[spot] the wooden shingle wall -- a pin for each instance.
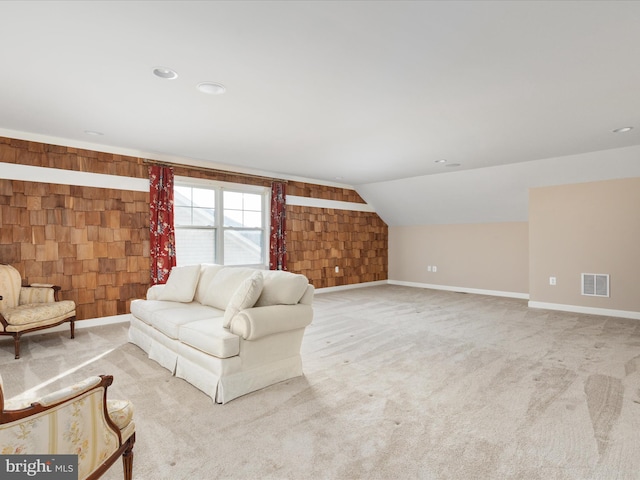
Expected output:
(94, 242)
(320, 239)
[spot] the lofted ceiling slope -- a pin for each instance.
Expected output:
(363, 93)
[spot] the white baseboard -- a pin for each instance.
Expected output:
(495, 293)
(477, 291)
(606, 312)
(350, 287)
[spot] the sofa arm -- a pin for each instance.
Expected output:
(154, 292)
(257, 322)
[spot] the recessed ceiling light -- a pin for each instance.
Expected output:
(211, 88)
(622, 129)
(164, 72)
(452, 165)
(92, 132)
(441, 161)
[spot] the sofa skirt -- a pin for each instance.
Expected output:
(224, 379)
(248, 381)
(158, 346)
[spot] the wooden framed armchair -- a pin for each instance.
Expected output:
(29, 308)
(78, 420)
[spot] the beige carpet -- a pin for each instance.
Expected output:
(399, 383)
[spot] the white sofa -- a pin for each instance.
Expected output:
(226, 330)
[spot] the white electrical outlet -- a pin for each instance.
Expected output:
(434, 269)
(429, 268)
(552, 280)
(337, 269)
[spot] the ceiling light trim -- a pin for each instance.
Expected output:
(165, 73)
(211, 88)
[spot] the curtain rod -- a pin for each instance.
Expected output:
(211, 170)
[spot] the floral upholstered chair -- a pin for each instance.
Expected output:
(28, 308)
(77, 420)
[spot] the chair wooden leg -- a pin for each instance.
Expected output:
(127, 460)
(16, 344)
(73, 327)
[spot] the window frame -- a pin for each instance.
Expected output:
(219, 228)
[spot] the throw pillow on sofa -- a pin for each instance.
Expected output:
(245, 296)
(181, 285)
(224, 284)
(282, 288)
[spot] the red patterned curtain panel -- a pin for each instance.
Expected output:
(277, 242)
(162, 239)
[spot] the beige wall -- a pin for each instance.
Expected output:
(585, 228)
(492, 256)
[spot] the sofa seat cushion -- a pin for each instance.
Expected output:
(210, 337)
(145, 309)
(37, 312)
(167, 317)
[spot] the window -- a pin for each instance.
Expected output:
(220, 223)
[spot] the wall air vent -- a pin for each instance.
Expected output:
(595, 284)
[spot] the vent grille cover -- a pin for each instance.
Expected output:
(595, 284)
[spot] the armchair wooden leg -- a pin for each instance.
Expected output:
(73, 327)
(127, 459)
(16, 344)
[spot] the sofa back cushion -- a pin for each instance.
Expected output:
(224, 284)
(181, 285)
(282, 288)
(245, 296)
(207, 272)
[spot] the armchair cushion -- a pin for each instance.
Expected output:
(9, 287)
(38, 312)
(37, 294)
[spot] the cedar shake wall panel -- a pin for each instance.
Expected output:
(61, 240)
(322, 239)
(94, 242)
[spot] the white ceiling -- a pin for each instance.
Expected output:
(361, 93)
